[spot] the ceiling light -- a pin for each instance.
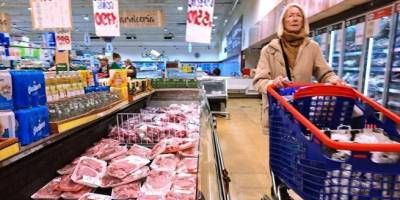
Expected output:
(226, 21)
(29, 8)
(86, 17)
(215, 17)
(165, 29)
(213, 25)
(180, 8)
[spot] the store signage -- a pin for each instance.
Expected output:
(234, 39)
(199, 21)
(86, 39)
(140, 19)
(109, 47)
(106, 17)
(373, 26)
(63, 40)
(5, 23)
(51, 14)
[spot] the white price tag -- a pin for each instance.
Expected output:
(63, 40)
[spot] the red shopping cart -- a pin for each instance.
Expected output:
(300, 149)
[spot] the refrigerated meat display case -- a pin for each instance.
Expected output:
(353, 59)
(378, 28)
(321, 37)
(393, 91)
(36, 165)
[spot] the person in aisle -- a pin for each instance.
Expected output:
(131, 69)
(116, 61)
(292, 57)
(216, 72)
(104, 67)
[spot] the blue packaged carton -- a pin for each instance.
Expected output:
(33, 124)
(29, 88)
(6, 91)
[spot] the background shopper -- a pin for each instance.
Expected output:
(131, 69)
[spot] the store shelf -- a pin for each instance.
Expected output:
(351, 69)
(356, 53)
(396, 69)
(394, 104)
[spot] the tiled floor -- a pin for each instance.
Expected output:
(244, 148)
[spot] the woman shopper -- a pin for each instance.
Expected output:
(131, 69)
(292, 57)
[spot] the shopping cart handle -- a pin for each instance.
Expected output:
(323, 138)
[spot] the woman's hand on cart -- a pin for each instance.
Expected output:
(337, 81)
(280, 82)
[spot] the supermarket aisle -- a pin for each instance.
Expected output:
(244, 149)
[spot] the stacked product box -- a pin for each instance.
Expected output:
(118, 82)
(30, 105)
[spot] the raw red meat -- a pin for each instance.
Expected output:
(188, 165)
(67, 169)
(172, 145)
(111, 152)
(180, 195)
(144, 196)
(100, 146)
(123, 167)
(158, 149)
(93, 196)
(141, 151)
(67, 185)
(89, 171)
(191, 152)
(158, 182)
(109, 181)
(185, 182)
(128, 191)
(76, 195)
(165, 162)
(49, 191)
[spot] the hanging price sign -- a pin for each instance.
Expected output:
(199, 21)
(63, 40)
(51, 14)
(106, 17)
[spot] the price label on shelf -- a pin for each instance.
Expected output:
(106, 17)
(51, 14)
(63, 40)
(199, 21)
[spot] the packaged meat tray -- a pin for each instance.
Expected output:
(67, 185)
(89, 171)
(158, 149)
(127, 191)
(111, 152)
(180, 195)
(93, 196)
(165, 162)
(186, 182)
(49, 191)
(138, 150)
(190, 152)
(78, 194)
(158, 182)
(109, 181)
(144, 196)
(188, 165)
(67, 169)
(125, 166)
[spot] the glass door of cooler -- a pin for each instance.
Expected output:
(377, 32)
(353, 51)
(335, 37)
(393, 93)
(321, 37)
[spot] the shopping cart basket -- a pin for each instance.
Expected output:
(298, 114)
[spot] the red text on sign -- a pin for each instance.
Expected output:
(63, 39)
(104, 19)
(199, 17)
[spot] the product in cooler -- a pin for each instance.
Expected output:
(183, 181)
(190, 152)
(112, 151)
(7, 124)
(89, 171)
(6, 101)
(32, 124)
(125, 166)
(127, 191)
(158, 182)
(109, 181)
(49, 191)
(78, 194)
(31, 90)
(180, 195)
(93, 196)
(139, 150)
(188, 165)
(118, 78)
(165, 162)
(67, 169)
(158, 149)
(144, 196)
(67, 185)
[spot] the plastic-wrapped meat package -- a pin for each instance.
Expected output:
(112, 151)
(180, 195)
(89, 171)
(127, 191)
(109, 181)
(175, 130)
(93, 196)
(158, 149)
(144, 196)
(158, 182)
(191, 152)
(49, 191)
(125, 166)
(188, 165)
(175, 144)
(185, 182)
(76, 195)
(67, 185)
(67, 169)
(138, 150)
(341, 136)
(165, 162)
(123, 135)
(99, 147)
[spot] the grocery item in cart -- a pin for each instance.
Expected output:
(89, 171)
(110, 181)
(127, 191)
(93, 196)
(165, 162)
(67, 185)
(340, 136)
(125, 166)
(188, 165)
(158, 182)
(139, 150)
(49, 191)
(78, 194)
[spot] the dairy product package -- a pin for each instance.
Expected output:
(7, 124)
(33, 124)
(6, 91)
(29, 90)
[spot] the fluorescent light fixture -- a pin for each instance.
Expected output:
(213, 25)
(226, 21)
(86, 17)
(215, 17)
(368, 68)
(165, 29)
(180, 8)
(29, 8)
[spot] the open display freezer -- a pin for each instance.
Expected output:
(378, 28)
(393, 92)
(353, 59)
(321, 37)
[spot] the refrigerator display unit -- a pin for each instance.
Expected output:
(393, 93)
(377, 35)
(353, 51)
(335, 36)
(321, 37)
